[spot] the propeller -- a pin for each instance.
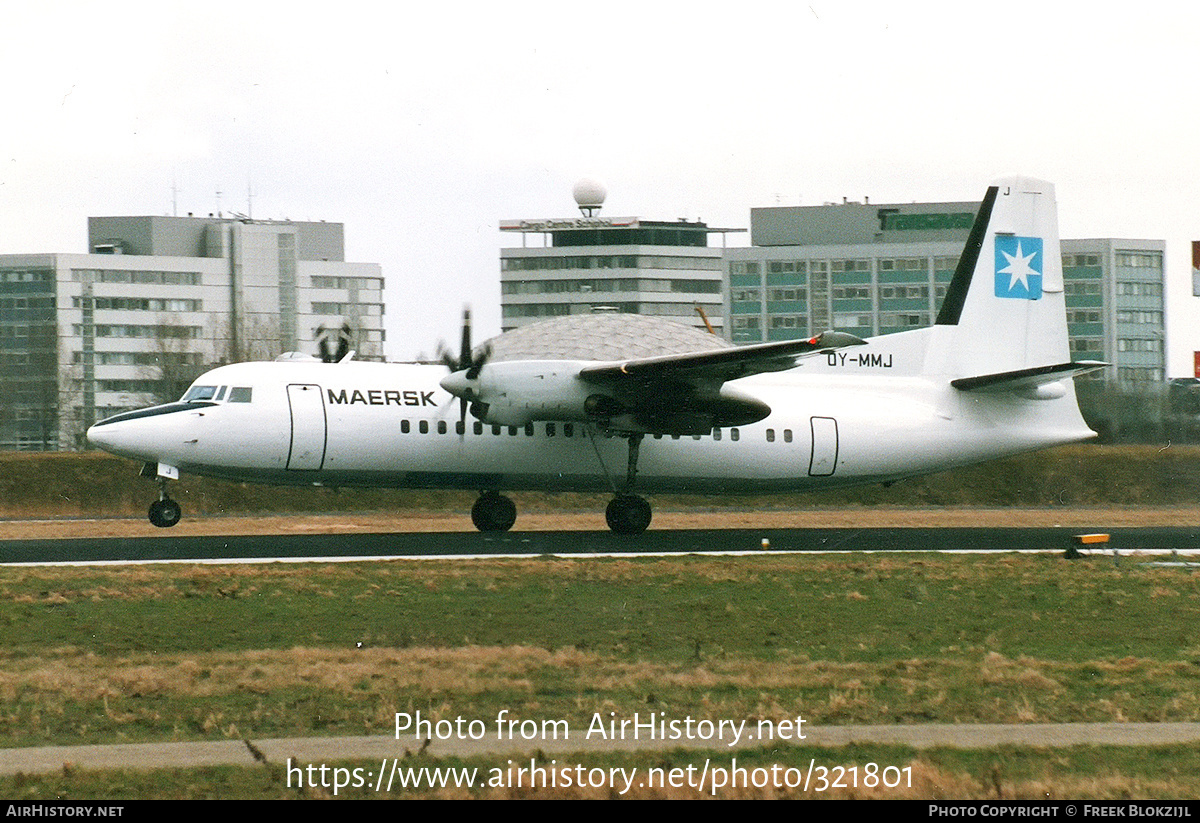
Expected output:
(466, 367)
(329, 354)
(323, 344)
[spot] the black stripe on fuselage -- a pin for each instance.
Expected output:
(956, 294)
(154, 411)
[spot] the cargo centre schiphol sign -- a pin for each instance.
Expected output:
(559, 224)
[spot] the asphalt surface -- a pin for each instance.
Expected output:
(679, 541)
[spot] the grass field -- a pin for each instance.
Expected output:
(163, 653)
(191, 652)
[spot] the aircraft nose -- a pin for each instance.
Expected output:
(101, 437)
(124, 438)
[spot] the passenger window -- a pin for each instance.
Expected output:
(529, 430)
(568, 430)
(441, 427)
(716, 434)
(423, 426)
(733, 434)
(404, 427)
(478, 427)
(495, 429)
(239, 394)
(460, 427)
(787, 435)
(770, 435)
(512, 431)
(549, 429)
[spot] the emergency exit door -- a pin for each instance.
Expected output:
(307, 407)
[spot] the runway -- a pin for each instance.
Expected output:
(679, 541)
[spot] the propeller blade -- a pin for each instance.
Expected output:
(464, 358)
(323, 345)
(343, 343)
(446, 357)
(476, 364)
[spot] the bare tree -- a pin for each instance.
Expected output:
(174, 360)
(258, 337)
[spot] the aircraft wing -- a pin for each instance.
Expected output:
(719, 365)
(674, 394)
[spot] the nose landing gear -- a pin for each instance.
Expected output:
(164, 512)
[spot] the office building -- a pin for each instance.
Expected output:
(154, 302)
(581, 265)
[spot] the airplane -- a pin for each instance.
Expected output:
(990, 378)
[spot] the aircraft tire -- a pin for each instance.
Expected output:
(493, 512)
(628, 514)
(165, 513)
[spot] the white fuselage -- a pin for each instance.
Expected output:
(392, 425)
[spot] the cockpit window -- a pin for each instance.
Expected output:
(220, 393)
(199, 393)
(239, 394)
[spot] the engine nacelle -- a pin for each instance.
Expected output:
(521, 391)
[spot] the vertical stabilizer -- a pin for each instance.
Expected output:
(1004, 309)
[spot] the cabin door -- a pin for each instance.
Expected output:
(307, 450)
(824, 447)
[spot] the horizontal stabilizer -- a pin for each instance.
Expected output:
(1024, 380)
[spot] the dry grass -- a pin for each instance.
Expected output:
(1024, 690)
(593, 520)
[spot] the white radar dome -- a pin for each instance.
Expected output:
(589, 193)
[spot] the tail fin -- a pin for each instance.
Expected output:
(1004, 312)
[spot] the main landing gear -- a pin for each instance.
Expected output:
(164, 512)
(493, 512)
(627, 513)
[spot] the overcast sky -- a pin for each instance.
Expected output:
(421, 126)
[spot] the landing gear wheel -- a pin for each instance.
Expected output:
(165, 513)
(628, 514)
(493, 512)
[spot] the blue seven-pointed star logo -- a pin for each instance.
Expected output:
(1019, 267)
